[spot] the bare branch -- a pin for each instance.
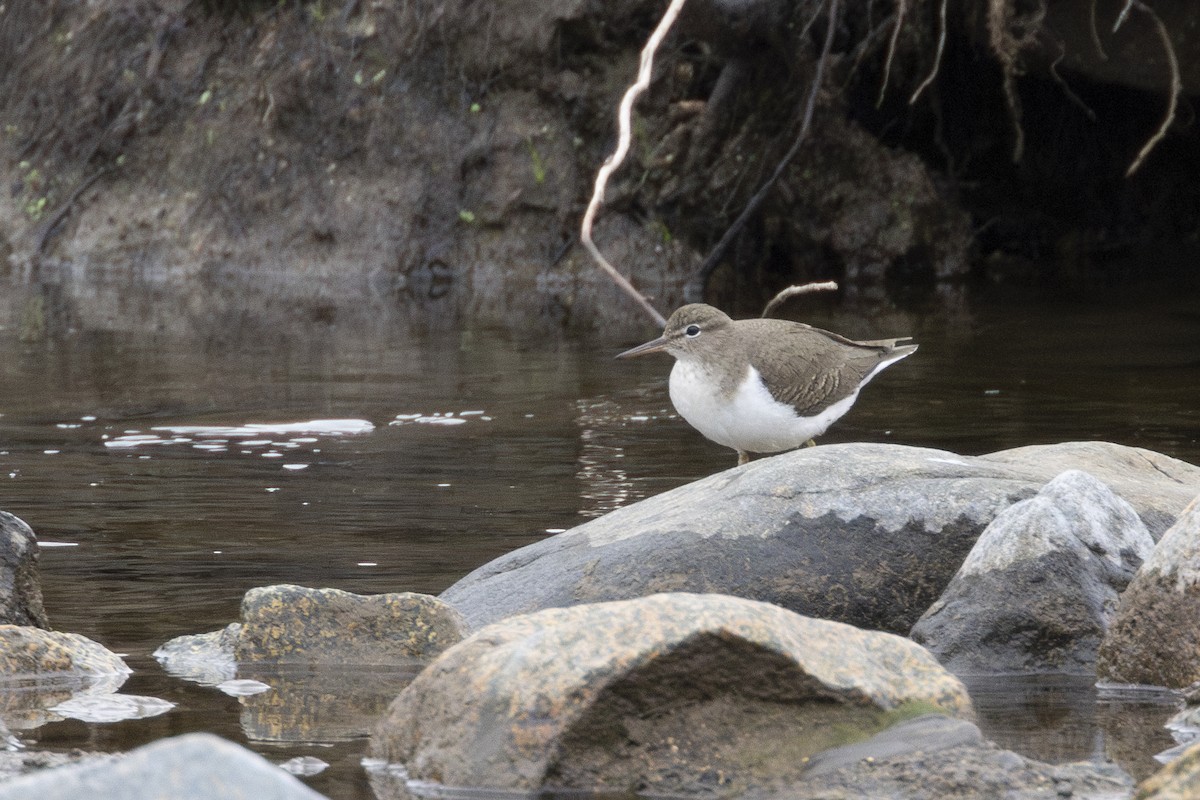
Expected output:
(1176, 88)
(1094, 30)
(797, 289)
(937, 59)
(624, 137)
(1129, 4)
(901, 7)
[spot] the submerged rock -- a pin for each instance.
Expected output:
(935, 757)
(1038, 590)
(1155, 638)
(664, 694)
(197, 766)
(866, 534)
(20, 591)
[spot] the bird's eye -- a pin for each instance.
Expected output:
(692, 331)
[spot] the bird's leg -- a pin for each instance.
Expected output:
(743, 457)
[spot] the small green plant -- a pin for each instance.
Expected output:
(539, 166)
(466, 216)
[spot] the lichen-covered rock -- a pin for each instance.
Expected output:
(20, 591)
(33, 654)
(43, 669)
(662, 694)
(866, 534)
(1040, 587)
(295, 624)
(1155, 638)
(197, 766)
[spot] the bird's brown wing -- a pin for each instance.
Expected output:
(819, 368)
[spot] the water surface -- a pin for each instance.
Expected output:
(171, 476)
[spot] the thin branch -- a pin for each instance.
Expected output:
(718, 252)
(901, 7)
(1176, 88)
(1094, 30)
(1074, 98)
(1129, 4)
(937, 59)
(792, 291)
(624, 137)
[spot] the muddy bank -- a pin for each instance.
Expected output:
(201, 167)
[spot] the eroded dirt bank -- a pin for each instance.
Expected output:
(195, 167)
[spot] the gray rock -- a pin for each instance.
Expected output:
(1155, 637)
(20, 591)
(1040, 587)
(866, 534)
(206, 658)
(673, 693)
(198, 766)
(1158, 486)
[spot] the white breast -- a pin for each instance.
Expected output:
(751, 420)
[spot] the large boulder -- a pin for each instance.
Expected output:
(673, 693)
(1158, 486)
(1155, 638)
(20, 591)
(867, 534)
(1038, 590)
(197, 766)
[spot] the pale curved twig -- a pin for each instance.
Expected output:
(624, 137)
(937, 59)
(901, 7)
(1176, 88)
(792, 291)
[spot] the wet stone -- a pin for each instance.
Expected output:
(295, 624)
(668, 693)
(1155, 638)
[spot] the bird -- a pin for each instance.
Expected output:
(764, 385)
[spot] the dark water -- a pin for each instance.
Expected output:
(164, 534)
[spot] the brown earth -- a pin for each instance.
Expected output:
(206, 167)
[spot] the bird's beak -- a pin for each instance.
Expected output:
(656, 346)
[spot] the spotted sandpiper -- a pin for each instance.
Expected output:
(764, 385)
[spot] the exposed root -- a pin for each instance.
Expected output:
(624, 138)
(1094, 29)
(755, 202)
(937, 59)
(797, 289)
(1008, 34)
(1176, 85)
(901, 8)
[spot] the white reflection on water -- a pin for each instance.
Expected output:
(217, 437)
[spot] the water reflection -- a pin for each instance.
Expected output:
(465, 447)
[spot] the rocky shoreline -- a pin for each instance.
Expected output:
(794, 627)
